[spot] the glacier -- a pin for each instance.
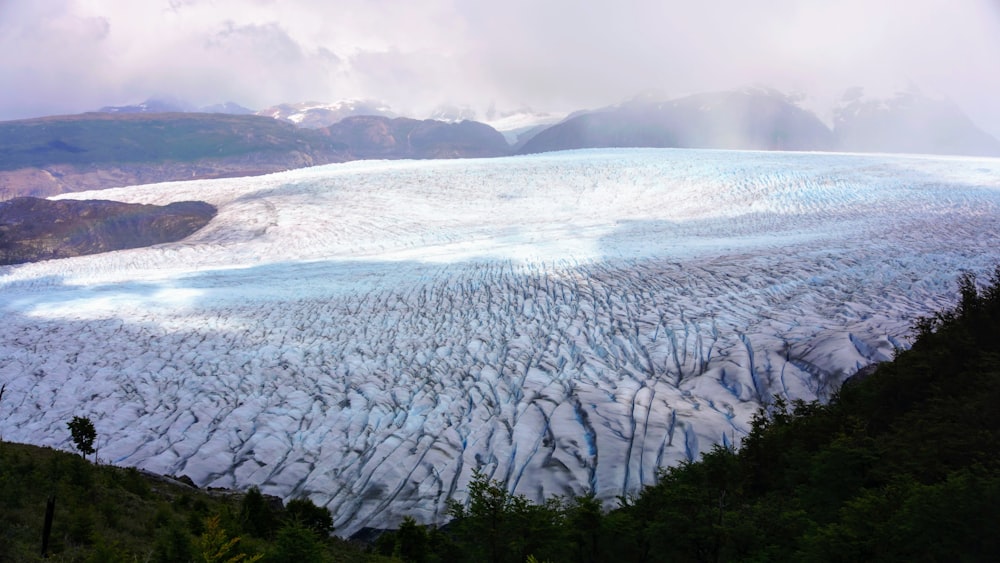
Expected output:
(370, 333)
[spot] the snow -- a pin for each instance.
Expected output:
(369, 333)
(300, 112)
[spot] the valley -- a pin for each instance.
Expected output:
(368, 333)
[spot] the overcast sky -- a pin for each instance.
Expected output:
(67, 56)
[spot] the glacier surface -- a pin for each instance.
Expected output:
(370, 333)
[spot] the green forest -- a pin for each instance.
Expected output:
(901, 465)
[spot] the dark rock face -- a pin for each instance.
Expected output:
(755, 119)
(33, 229)
(908, 123)
(383, 137)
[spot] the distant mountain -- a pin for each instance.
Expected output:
(383, 137)
(747, 119)
(52, 155)
(33, 229)
(169, 105)
(162, 140)
(230, 108)
(315, 115)
(908, 123)
(152, 105)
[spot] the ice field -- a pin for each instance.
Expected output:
(370, 333)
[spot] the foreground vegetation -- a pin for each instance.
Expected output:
(107, 514)
(903, 465)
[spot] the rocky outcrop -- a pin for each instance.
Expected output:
(33, 229)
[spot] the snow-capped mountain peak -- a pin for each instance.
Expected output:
(323, 114)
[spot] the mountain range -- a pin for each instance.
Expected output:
(161, 140)
(52, 155)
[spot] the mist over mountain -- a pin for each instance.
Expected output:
(763, 119)
(231, 108)
(908, 123)
(748, 119)
(454, 113)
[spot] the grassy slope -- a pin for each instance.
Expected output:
(106, 513)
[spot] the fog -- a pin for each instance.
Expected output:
(66, 56)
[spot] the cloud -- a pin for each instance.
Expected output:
(71, 55)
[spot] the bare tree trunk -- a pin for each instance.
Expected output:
(50, 509)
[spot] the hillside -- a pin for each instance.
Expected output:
(52, 155)
(111, 514)
(900, 466)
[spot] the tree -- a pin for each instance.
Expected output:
(217, 547)
(83, 433)
(2, 389)
(256, 516)
(411, 541)
(297, 543)
(499, 526)
(316, 518)
(583, 522)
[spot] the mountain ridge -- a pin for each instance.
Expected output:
(58, 154)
